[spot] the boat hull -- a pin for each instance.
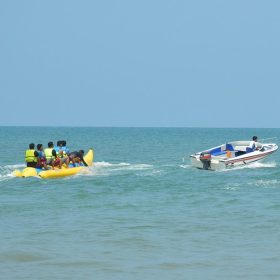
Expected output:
(56, 173)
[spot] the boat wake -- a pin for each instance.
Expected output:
(185, 166)
(106, 168)
(6, 172)
(260, 183)
(98, 169)
(262, 165)
(253, 165)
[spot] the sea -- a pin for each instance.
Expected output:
(141, 211)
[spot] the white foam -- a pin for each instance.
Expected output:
(107, 169)
(14, 166)
(122, 165)
(108, 164)
(232, 187)
(265, 183)
(6, 172)
(185, 166)
(6, 177)
(262, 165)
(252, 165)
(140, 166)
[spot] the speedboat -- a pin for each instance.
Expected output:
(56, 173)
(231, 154)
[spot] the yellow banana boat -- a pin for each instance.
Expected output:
(55, 173)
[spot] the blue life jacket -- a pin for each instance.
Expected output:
(65, 150)
(57, 149)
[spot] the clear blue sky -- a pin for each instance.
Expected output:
(140, 63)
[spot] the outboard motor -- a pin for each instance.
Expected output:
(205, 158)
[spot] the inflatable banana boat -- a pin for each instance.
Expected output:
(56, 173)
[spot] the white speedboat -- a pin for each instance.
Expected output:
(231, 154)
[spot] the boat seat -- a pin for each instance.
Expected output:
(222, 150)
(244, 149)
(240, 148)
(229, 147)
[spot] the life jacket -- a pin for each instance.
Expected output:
(59, 154)
(29, 156)
(65, 150)
(48, 153)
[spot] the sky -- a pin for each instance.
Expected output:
(127, 63)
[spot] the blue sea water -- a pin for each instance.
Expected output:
(141, 212)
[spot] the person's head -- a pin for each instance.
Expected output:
(63, 142)
(59, 144)
(39, 147)
(82, 152)
(255, 138)
(31, 146)
(50, 144)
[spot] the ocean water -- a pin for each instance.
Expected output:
(141, 212)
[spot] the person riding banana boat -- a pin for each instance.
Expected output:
(41, 159)
(77, 158)
(61, 154)
(31, 156)
(50, 154)
(53, 158)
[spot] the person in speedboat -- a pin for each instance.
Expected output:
(254, 144)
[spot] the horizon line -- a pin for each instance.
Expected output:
(71, 126)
